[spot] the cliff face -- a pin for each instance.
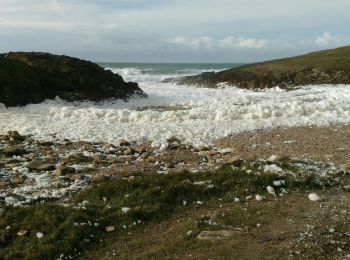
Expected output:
(324, 67)
(33, 77)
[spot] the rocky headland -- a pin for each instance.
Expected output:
(32, 77)
(323, 67)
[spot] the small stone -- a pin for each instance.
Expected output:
(259, 198)
(129, 151)
(216, 235)
(278, 183)
(22, 233)
(202, 148)
(202, 153)
(76, 177)
(109, 228)
(40, 164)
(271, 190)
(145, 155)
(39, 235)
(99, 178)
(125, 210)
(347, 188)
(97, 159)
(169, 165)
(124, 143)
(64, 170)
(13, 150)
(4, 184)
(17, 179)
(15, 136)
(13, 199)
(314, 197)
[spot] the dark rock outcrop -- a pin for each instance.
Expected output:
(324, 67)
(32, 77)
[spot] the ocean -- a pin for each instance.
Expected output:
(194, 115)
(156, 72)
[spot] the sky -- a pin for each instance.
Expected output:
(231, 31)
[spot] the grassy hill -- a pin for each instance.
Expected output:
(323, 67)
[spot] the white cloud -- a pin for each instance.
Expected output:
(327, 39)
(234, 42)
(210, 43)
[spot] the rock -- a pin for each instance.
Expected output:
(109, 228)
(22, 233)
(279, 183)
(271, 190)
(24, 77)
(17, 179)
(129, 151)
(64, 170)
(216, 235)
(259, 198)
(347, 188)
(145, 155)
(4, 184)
(13, 150)
(314, 197)
(125, 210)
(76, 177)
(15, 136)
(202, 148)
(39, 235)
(97, 178)
(97, 159)
(124, 143)
(77, 159)
(169, 165)
(40, 164)
(202, 153)
(13, 199)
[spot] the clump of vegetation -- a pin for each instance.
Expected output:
(125, 204)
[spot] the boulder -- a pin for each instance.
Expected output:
(32, 77)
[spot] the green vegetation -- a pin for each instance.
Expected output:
(323, 67)
(71, 230)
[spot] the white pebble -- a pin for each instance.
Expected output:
(314, 197)
(125, 210)
(259, 198)
(39, 235)
(271, 190)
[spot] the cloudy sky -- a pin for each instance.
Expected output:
(174, 30)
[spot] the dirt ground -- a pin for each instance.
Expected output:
(324, 144)
(291, 227)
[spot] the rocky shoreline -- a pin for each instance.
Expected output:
(32, 77)
(32, 170)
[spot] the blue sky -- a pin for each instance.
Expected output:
(174, 30)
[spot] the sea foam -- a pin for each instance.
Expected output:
(194, 115)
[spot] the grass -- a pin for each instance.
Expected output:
(70, 230)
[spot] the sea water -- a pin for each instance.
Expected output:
(194, 115)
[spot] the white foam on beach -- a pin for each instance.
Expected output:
(204, 114)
